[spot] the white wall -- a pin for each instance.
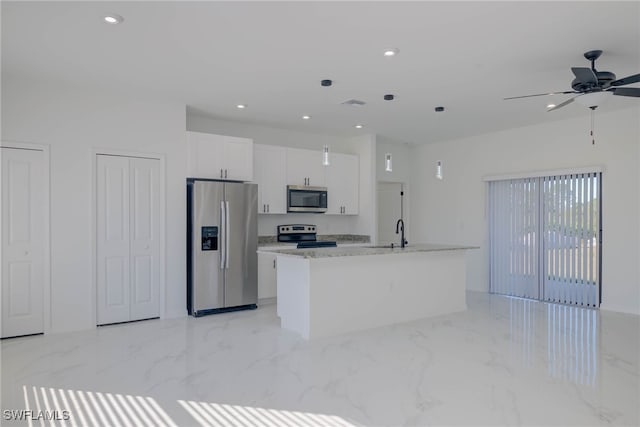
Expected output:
(327, 224)
(73, 122)
(366, 222)
(454, 211)
(401, 164)
(400, 159)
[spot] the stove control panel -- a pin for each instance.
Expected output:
(297, 229)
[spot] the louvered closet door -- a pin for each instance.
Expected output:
(23, 227)
(128, 239)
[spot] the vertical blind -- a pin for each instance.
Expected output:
(514, 221)
(544, 236)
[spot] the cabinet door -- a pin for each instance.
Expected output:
(267, 276)
(304, 167)
(271, 176)
(205, 154)
(342, 179)
(237, 158)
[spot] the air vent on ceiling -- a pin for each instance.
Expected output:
(354, 102)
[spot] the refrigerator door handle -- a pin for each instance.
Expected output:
(223, 234)
(226, 235)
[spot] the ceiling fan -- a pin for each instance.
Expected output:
(592, 85)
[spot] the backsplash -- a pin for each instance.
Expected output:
(340, 238)
(327, 224)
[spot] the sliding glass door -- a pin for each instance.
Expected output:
(544, 236)
(514, 222)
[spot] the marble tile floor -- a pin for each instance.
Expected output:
(504, 361)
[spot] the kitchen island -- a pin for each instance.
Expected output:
(329, 291)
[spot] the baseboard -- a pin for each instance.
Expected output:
(608, 307)
(267, 301)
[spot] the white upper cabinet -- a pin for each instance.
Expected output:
(304, 167)
(270, 173)
(342, 179)
(220, 156)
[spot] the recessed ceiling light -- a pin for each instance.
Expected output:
(306, 117)
(358, 126)
(391, 52)
(241, 106)
(551, 105)
(113, 19)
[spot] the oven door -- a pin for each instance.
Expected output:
(306, 199)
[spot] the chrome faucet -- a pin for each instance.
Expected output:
(400, 229)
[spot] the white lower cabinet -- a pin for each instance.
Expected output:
(267, 283)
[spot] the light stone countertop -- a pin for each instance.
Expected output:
(364, 250)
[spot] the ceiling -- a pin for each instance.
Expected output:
(211, 56)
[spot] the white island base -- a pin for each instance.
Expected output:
(327, 295)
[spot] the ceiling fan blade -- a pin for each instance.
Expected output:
(626, 80)
(626, 91)
(567, 102)
(585, 75)
(541, 94)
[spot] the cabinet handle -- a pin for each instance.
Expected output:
(274, 263)
(264, 208)
(221, 174)
(267, 207)
(225, 173)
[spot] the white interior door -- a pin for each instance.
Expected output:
(128, 240)
(113, 236)
(145, 242)
(23, 240)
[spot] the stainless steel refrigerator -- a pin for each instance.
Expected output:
(222, 240)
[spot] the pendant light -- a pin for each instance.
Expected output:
(439, 169)
(325, 155)
(388, 166)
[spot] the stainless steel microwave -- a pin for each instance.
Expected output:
(301, 198)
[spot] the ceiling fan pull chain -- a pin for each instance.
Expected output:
(593, 120)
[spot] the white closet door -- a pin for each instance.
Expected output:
(113, 268)
(23, 227)
(145, 231)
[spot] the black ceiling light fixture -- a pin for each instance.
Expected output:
(326, 82)
(439, 109)
(389, 97)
